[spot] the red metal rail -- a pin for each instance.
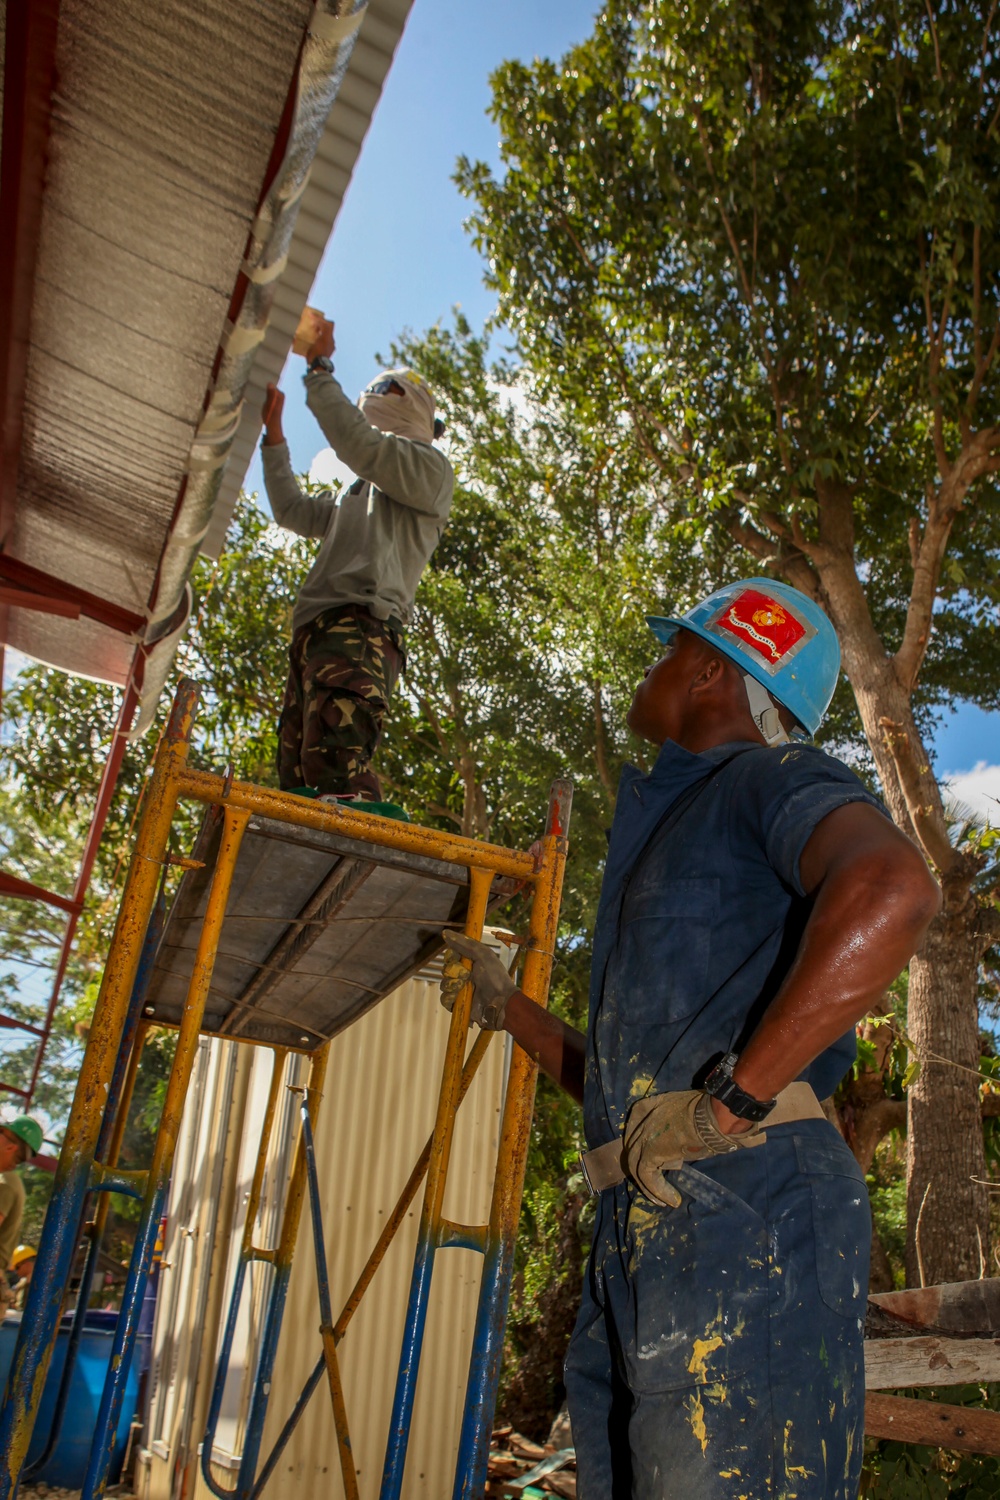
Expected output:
(11, 886)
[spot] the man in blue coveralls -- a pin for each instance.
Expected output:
(756, 902)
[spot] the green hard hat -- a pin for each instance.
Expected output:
(27, 1130)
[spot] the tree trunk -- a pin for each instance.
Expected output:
(944, 1134)
(946, 1208)
(880, 1278)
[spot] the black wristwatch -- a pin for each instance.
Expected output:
(321, 362)
(721, 1084)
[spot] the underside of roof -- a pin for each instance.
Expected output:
(178, 233)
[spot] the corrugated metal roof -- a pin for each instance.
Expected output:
(163, 124)
(332, 169)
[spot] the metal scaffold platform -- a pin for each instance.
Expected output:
(319, 927)
(293, 919)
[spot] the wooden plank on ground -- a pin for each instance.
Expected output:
(953, 1307)
(907, 1420)
(894, 1363)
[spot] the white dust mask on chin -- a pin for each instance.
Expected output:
(398, 401)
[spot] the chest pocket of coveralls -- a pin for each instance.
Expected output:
(668, 927)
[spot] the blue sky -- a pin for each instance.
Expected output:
(399, 256)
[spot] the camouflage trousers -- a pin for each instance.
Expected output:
(344, 666)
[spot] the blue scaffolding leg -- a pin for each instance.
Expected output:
(158, 1177)
(326, 1329)
(114, 1107)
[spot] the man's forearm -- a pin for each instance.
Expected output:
(558, 1049)
(412, 473)
(306, 515)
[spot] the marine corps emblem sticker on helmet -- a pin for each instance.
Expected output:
(780, 639)
(775, 632)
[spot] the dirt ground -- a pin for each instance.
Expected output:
(54, 1492)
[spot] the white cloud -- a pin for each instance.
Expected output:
(517, 397)
(327, 468)
(976, 791)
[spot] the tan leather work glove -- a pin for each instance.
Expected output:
(666, 1130)
(493, 985)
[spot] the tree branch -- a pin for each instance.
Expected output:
(913, 537)
(600, 745)
(934, 36)
(748, 296)
(919, 790)
(639, 411)
(976, 458)
(983, 50)
(988, 927)
(783, 557)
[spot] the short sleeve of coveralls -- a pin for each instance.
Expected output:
(780, 805)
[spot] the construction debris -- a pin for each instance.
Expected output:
(56, 1492)
(520, 1467)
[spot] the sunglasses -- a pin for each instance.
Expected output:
(384, 387)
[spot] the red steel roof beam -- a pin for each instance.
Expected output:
(46, 604)
(23, 576)
(29, 75)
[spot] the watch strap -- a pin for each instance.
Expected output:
(721, 1084)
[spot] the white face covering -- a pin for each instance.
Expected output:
(407, 411)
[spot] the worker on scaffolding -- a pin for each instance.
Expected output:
(757, 901)
(20, 1139)
(350, 619)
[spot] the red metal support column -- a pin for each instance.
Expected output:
(29, 74)
(111, 768)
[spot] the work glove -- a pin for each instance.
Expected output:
(666, 1130)
(493, 985)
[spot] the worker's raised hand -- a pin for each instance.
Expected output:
(493, 985)
(665, 1130)
(323, 344)
(274, 405)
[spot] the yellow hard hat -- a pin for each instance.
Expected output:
(21, 1254)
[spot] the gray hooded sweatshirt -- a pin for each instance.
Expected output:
(378, 538)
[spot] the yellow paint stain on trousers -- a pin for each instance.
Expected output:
(792, 1471)
(698, 1366)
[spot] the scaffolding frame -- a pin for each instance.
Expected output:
(88, 1161)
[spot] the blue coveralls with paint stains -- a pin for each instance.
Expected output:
(718, 1354)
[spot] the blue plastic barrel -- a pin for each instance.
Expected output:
(68, 1463)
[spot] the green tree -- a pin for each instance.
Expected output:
(757, 240)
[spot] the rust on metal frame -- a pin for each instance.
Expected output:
(29, 77)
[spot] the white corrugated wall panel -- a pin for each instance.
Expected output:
(378, 1109)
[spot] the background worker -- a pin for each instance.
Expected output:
(22, 1266)
(20, 1139)
(756, 902)
(350, 619)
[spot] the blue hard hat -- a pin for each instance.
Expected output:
(774, 633)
